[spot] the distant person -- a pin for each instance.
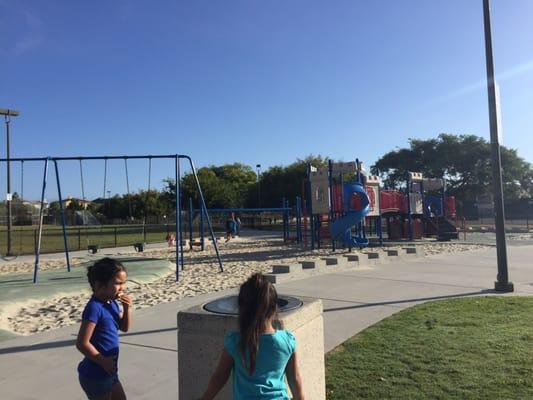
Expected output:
(231, 226)
(238, 226)
(98, 334)
(171, 240)
(258, 355)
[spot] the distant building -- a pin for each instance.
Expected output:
(69, 200)
(36, 205)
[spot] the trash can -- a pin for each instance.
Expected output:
(201, 331)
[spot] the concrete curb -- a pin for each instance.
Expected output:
(325, 265)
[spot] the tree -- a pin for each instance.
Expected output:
(280, 182)
(464, 161)
(75, 205)
(225, 186)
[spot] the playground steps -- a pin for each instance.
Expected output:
(324, 265)
(361, 260)
(286, 268)
(416, 251)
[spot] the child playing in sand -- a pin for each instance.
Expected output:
(171, 240)
(259, 355)
(98, 335)
(230, 226)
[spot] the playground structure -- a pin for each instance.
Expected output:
(341, 204)
(346, 206)
(284, 211)
(139, 246)
(338, 204)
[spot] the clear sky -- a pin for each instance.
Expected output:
(253, 81)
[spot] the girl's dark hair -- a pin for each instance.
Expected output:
(258, 302)
(103, 271)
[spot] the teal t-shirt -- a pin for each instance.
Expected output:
(268, 378)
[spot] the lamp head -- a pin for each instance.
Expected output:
(9, 113)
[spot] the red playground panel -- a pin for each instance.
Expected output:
(449, 207)
(393, 201)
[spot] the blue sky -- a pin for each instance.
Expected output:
(252, 81)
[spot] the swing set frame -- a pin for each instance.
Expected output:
(178, 195)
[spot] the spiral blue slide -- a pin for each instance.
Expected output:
(341, 229)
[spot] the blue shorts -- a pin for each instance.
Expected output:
(95, 388)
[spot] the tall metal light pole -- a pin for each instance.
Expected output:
(7, 115)
(258, 167)
(502, 284)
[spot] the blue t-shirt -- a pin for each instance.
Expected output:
(106, 316)
(268, 378)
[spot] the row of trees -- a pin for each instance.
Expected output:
(464, 161)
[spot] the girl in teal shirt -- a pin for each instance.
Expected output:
(259, 355)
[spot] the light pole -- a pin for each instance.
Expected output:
(258, 167)
(502, 284)
(7, 115)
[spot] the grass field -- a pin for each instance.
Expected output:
(25, 237)
(470, 348)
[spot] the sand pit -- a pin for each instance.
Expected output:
(241, 258)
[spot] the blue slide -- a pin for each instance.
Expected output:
(341, 229)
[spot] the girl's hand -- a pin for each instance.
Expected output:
(126, 300)
(108, 364)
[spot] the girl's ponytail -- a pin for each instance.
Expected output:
(258, 302)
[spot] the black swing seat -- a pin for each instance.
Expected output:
(139, 247)
(93, 248)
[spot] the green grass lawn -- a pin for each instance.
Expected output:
(79, 237)
(468, 348)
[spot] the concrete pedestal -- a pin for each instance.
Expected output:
(201, 340)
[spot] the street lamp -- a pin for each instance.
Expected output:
(7, 115)
(502, 284)
(258, 167)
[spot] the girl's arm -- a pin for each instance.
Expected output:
(125, 317)
(294, 378)
(84, 345)
(220, 376)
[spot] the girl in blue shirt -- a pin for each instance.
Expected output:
(98, 335)
(259, 355)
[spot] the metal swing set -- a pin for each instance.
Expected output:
(138, 246)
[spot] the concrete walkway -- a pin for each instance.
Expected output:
(43, 366)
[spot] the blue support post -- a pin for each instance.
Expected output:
(409, 217)
(331, 212)
(62, 212)
(318, 225)
(298, 219)
(309, 208)
(283, 205)
(422, 197)
(178, 220)
(41, 213)
(313, 230)
(201, 227)
(204, 208)
(190, 221)
(379, 230)
(180, 217)
(442, 199)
